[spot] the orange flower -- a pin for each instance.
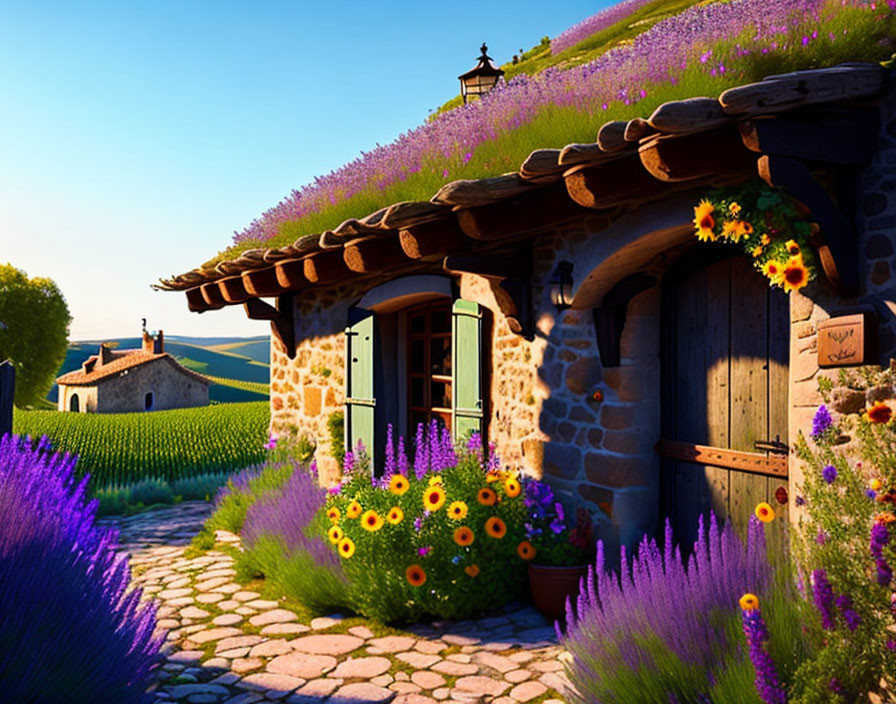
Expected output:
(495, 527)
(734, 209)
(765, 240)
(774, 270)
(463, 536)
(395, 515)
(486, 497)
(730, 230)
(335, 534)
(704, 221)
(885, 518)
(472, 570)
(457, 511)
(415, 575)
(764, 512)
(876, 484)
(757, 251)
(346, 547)
(353, 510)
(525, 550)
(491, 476)
(749, 602)
(747, 227)
(795, 275)
(371, 521)
(878, 413)
(434, 498)
(793, 249)
(512, 487)
(398, 484)
(333, 514)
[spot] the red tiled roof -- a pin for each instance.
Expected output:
(126, 359)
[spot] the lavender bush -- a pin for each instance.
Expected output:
(594, 24)
(669, 630)
(69, 632)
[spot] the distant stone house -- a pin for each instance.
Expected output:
(129, 381)
(568, 312)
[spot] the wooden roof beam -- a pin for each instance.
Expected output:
(232, 289)
(674, 158)
(433, 239)
(369, 255)
(196, 301)
(326, 267)
(262, 282)
(615, 183)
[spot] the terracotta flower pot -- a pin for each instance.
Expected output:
(551, 585)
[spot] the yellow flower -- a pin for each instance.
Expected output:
(486, 497)
(437, 479)
(457, 511)
(757, 251)
(704, 221)
(734, 209)
(795, 275)
(878, 413)
(749, 602)
(353, 510)
(793, 249)
(511, 487)
(774, 270)
(395, 515)
(731, 231)
(434, 498)
(764, 512)
(495, 527)
(525, 550)
(398, 484)
(335, 534)
(765, 240)
(346, 547)
(876, 484)
(472, 570)
(371, 521)
(492, 476)
(333, 514)
(415, 575)
(463, 536)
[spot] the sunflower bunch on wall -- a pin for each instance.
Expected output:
(767, 224)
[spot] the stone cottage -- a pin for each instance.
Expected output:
(131, 381)
(569, 313)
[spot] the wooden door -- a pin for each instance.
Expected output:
(724, 388)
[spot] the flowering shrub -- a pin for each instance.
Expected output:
(766, 223)
(443, 537)
(670, 630)
(848, 545)
(546, 529)
(69, 630)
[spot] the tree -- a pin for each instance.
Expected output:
(34, 322)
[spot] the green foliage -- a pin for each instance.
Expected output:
(381, 587)
(122, 448)
(152, 491)
(336, 428)
(202, 487)
(840, 513)
(291, 446)
(122, 500)
(242, 491)
(34, 322)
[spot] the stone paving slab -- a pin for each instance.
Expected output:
(229, 645)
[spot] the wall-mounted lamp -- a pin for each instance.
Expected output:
(561, 286)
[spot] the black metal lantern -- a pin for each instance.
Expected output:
(561, 286)
(480, 79)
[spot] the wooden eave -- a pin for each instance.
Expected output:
(747, 131)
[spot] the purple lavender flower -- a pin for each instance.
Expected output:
(474, 442)
(418, 524)
(389, 468)
(493, 462)
(821, 537)
(829, 473)
(821, 422)
(871, 493)
(348, 462)
(823, 596)
(402, 458)
(449, 457)
(436, 458)
(421, 453)
(800, 500)
(768, 685)
(850, 617)
(880, 537)
(424, 551)
(272, 443)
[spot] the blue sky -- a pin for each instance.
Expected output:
(136, 137)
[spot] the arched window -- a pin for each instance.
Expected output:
(74, 404)
(148, 401)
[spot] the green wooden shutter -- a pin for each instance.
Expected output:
(360, 402)
(466, 364)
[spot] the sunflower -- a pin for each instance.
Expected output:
(704, 221)
(495, 527)
(525, 550)
(764, 512)
(878, 413)
(511, 487)
(371, 521)
(749, 602)
(747, 227)
(353, 510)
(346, 547)
(415, 575)
(795, 275)
(434, 498)
(793, 249)
(774, 270)
(457, 511)
(463, 536)
(486, 497)
(436, 479)
(333, 514)
(395, 515)
(398, 484)
(335, 534)
(472, 570)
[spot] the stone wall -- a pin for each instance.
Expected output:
(171, 388)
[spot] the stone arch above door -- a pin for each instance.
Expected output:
(405, 292)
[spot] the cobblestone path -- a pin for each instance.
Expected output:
(227, 644)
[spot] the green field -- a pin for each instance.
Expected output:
(124, 448)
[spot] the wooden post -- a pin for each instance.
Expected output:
(7, 387)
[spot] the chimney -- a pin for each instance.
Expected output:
(148, 342)
(104, 356)
(159, 343)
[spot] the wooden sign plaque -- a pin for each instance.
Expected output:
(847, 340)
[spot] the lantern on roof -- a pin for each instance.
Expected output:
(480, 79)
